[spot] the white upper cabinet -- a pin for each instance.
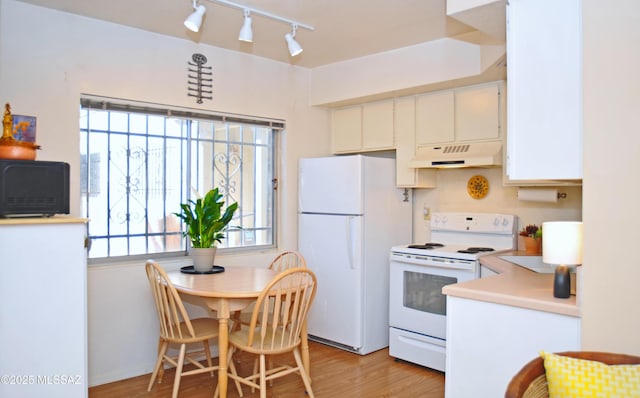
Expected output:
(377, 125)
(435, 118)
(347, 129)
(462, 115)
(544, 58)
(405, 128)
(477, 113)
(363, 128)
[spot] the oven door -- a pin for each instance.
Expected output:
(416, 302)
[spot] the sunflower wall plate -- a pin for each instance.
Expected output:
(478, 187)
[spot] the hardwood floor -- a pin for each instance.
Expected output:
(335, 373)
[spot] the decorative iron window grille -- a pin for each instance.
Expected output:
(140, 161)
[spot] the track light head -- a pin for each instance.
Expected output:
(194, 20)
(294, 46)
(246, 33)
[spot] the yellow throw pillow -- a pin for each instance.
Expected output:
(571, 377)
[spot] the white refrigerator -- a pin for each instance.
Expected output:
(350, 215)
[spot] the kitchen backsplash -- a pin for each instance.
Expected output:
(451, 195)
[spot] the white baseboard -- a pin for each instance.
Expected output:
(133, 371)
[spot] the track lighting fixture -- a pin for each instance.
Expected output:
(246, 33)
(294, 46)
(194, 20)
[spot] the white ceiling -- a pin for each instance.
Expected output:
(344, 29)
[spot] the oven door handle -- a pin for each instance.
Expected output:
(435, 263)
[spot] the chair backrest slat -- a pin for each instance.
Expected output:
(169, 306)
(286, 260)
(282, 308)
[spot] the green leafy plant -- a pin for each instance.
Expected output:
(532, 231)
(204, 219)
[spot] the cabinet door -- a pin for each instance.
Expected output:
(43, 289)
(377, 125)
(405, 137)
(435, 118)
(510, 336)
(544, 105)
(347, 129)
(477, 113)
(405, 128)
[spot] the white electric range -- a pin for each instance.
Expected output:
(419, 271)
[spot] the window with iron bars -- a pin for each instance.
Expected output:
(139, 162)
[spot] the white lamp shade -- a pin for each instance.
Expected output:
(194, 20)
(562, 242)
(246, 33)
(294, 47)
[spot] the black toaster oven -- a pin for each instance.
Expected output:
(33, 188)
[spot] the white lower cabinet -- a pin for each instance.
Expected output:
(488, 343)
(486, 272)
(43, 321)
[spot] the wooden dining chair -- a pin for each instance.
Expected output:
(531, 380)
(282, 262)
(276, 327)
(177, 328)
(286, 260)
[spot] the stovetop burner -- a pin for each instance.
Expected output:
(426, 246)
(474, 250)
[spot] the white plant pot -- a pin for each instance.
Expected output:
(203, 258)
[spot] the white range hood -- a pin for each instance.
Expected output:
(473, 154)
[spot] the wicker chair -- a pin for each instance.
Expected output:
(531, 382)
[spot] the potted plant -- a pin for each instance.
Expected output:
(532, 239)
(206, 224)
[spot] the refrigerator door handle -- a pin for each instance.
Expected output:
(350, 245)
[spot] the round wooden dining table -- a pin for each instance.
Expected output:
(224, 293)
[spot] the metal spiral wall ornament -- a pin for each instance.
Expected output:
(200, 82)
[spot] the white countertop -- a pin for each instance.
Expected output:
(42, 220)
(516, 286)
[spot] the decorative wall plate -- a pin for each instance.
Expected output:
(478, 187)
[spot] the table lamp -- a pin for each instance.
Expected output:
(562, 246)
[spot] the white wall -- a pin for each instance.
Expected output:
(48, 58)
(451, 195)
(610, 275)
